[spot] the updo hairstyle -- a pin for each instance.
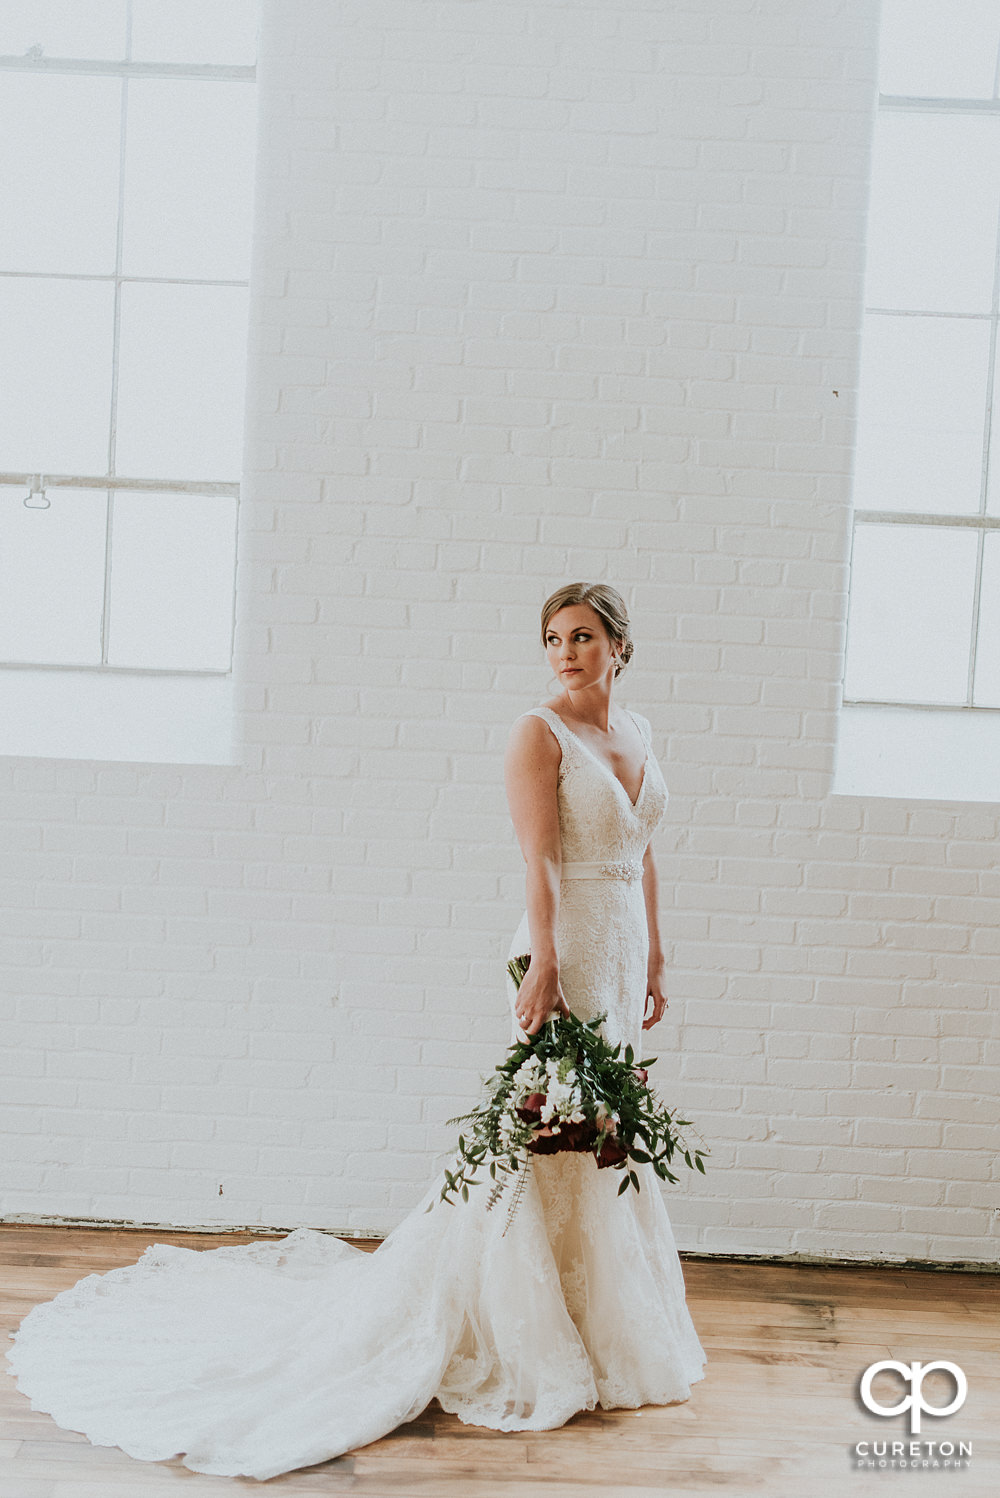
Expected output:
(608, 605)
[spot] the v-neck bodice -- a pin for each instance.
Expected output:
(597, 817)
(603, 762)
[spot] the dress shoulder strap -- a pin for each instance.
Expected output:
(554, 721)
(644, 726)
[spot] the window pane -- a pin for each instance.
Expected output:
(987, 693)
(172, 564)
(189, 179)
(63, 28)
(59, 146)
(55, 375)
(182, 374)
(195, 30)
(933, 218)
(921, 414)
(935, 50)
(910, 613)
(52, 577)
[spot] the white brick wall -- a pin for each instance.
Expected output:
(543, 292)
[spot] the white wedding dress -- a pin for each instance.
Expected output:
(259, 1358)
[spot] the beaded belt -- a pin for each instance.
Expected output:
(609, 869)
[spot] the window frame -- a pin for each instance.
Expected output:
(111, 481)
(981, 521)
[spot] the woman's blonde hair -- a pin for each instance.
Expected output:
(608, 605)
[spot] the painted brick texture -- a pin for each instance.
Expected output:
(540, 292)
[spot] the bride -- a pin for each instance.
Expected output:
(259, 1358)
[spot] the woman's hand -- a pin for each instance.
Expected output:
(656, 990)
(539, 994)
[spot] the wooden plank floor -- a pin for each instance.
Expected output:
(777, 1414)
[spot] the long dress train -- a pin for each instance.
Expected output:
(255, 1359)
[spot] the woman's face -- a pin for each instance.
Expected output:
(579, 648)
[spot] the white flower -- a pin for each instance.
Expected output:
(529, 1075)
(563, 1095)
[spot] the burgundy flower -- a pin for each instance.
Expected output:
(579, 1136)
(546, 1142)
(531, 1108)
(612, 1153)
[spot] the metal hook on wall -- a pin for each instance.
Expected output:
(37, 489)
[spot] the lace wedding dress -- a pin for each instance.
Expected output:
(259, 1358)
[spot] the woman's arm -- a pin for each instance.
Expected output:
(531, 775)
(656, 967)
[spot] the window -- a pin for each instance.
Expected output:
(924, 617)
(127, 136)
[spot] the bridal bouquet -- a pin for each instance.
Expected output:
(564, 1088)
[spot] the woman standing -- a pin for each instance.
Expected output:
(257, 1359)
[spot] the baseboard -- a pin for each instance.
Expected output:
(369, 1235)
(847, 1261)
(136, 1225)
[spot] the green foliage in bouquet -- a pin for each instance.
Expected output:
(565, 1088)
